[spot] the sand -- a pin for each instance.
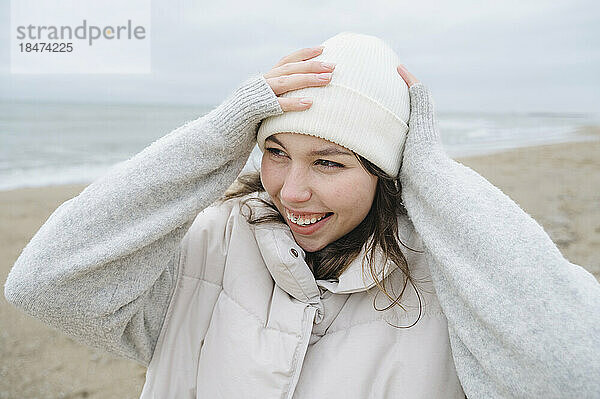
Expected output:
(556, 184)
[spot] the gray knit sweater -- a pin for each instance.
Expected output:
(523, 321)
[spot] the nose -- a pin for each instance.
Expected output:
(296, 187)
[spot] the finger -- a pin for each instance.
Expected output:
(300, 55)
(408, 77)
(294, 103)
(300, 67)
(283, 84)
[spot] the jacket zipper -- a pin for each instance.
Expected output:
(307, 329)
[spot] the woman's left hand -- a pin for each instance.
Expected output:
(408, 77)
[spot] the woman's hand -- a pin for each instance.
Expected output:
(408, 77)
(296, 71)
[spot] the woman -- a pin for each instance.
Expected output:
(272, 291)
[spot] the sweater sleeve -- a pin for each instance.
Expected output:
(523, 321)
(102, 268)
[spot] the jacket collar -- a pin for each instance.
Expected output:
(285, 260)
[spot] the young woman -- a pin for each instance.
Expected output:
(362, 262)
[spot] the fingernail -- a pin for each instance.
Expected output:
(325, 76)
(328, 65)
(319, 48)
(306, 101)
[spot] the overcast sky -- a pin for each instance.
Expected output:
(523, 56)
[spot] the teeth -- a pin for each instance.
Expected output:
(300, 219)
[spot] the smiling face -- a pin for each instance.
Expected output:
(320, 188)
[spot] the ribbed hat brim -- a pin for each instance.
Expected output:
(349, 126)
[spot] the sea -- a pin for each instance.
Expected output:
(44, 144)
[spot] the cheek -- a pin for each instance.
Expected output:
(270, 176)
(356, 195)
(359, 188)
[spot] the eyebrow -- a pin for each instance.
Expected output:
(324, 152)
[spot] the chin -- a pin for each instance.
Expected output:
(312, 247)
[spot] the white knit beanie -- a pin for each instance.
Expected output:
(365, 107)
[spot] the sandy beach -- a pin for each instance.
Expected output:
(556, 184)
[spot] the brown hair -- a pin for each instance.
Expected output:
(331, 261)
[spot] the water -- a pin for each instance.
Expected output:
(51, 144)
(466, 134)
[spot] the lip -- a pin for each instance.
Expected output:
(310, 229)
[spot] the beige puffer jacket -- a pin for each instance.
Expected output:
(248, 320)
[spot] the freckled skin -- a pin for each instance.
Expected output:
(296, 180)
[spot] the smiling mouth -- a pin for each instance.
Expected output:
(305, 220)
(311, 228)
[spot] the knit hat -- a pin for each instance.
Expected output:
(365, 107)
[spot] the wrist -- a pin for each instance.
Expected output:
(422, 123)
(252, 101)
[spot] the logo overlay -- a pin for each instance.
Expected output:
(80, 36)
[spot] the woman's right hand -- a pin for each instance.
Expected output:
(296, 71)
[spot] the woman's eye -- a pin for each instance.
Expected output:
(327, 164)
(275, 152)
(330, 164)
